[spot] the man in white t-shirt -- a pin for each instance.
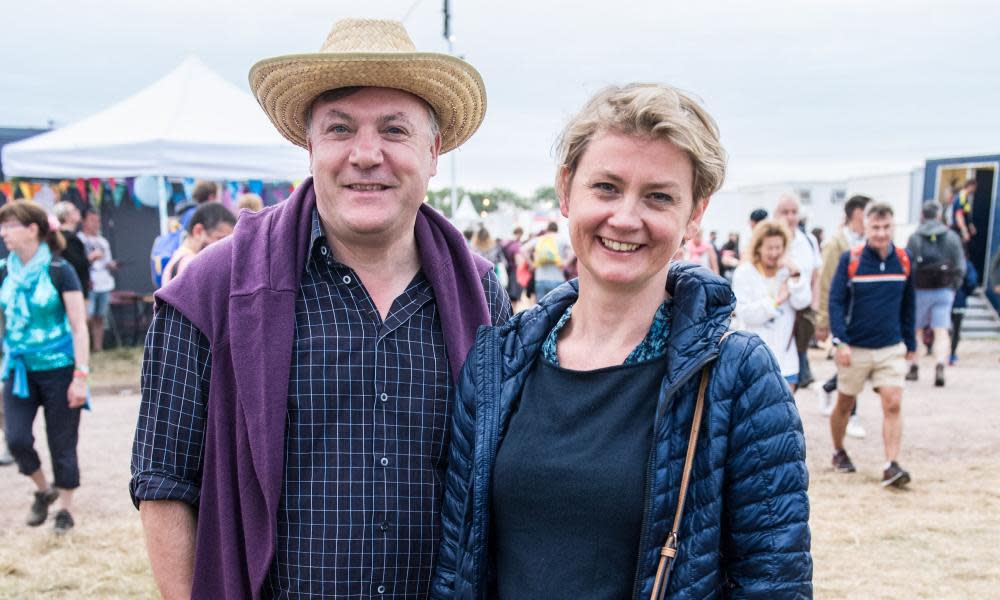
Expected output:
(102, 282)
(804, 252)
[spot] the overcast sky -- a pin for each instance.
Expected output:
(801, 90)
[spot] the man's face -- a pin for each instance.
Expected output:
(91, 224)
(857, 219)
(878, 231)
(371, 155)
(788, 210)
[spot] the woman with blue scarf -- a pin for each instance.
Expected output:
(45, 355)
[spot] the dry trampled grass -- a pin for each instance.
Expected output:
(936, 540)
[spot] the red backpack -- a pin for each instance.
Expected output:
(852, 265)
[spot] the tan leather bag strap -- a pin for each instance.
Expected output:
(669, 551)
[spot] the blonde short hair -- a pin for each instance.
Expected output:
(654, 110)
(249, 201)
(762, 231)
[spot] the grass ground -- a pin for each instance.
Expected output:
(936, 540)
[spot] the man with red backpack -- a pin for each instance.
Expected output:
(872, 321)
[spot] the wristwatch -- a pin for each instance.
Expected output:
(837, 342)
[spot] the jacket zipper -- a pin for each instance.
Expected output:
(647, 502)
(490, 432)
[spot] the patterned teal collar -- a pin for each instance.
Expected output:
(654, 345)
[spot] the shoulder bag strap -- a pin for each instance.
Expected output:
(669, 551)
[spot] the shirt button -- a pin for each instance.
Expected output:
(323, 250)
(385, 461)
(383, 397)
(346, 279)
(384, 526)
(380, 589)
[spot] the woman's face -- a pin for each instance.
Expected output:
(630, 205)
(771, 251)
(18, 236)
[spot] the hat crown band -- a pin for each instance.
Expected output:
(368, 35)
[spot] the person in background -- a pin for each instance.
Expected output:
(486, 246)
(468, 235)
(729, 256)
(249, 201)
(571, 421)
(202, 193)
(700, 252)
(994, 274)
(817, 233)
(547, 255)
(961, 211)
(210, 223)
(512, 252)
(713, 238)
(756, 216)
(967, 288)
(46, 356)
(74, 253)
(938, 270)
(804, 252)
(871, 319)
(769, 290)
(102, 282)
(849, 235)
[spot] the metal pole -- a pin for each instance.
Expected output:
(453, 196)
(163, 205)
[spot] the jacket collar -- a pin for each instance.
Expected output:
(702, 306)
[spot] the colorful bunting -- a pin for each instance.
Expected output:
(118, 193)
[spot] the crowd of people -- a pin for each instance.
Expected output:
(870, 299)
(337, 398)
(55, 296)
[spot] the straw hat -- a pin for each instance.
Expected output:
(375, 53)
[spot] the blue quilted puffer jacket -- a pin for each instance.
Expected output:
(745, 531)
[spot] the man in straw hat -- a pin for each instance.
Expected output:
(293, 432)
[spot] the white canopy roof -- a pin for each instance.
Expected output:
(190, 123)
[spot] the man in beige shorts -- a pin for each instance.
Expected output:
(871, 310)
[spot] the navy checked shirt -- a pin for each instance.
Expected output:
(366, 444)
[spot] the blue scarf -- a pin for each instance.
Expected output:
(21, 286)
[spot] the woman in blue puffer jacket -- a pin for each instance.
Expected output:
(572, 421)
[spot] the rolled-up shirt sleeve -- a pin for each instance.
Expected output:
(169, 435)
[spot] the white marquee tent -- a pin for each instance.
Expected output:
(190, 123)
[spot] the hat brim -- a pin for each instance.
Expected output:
(285, 87)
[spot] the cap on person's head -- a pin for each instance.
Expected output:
(929, 210)
(370, 53)
(758, 215)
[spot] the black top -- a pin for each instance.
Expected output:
(63, 277)
(569, 482)
(76, 255)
